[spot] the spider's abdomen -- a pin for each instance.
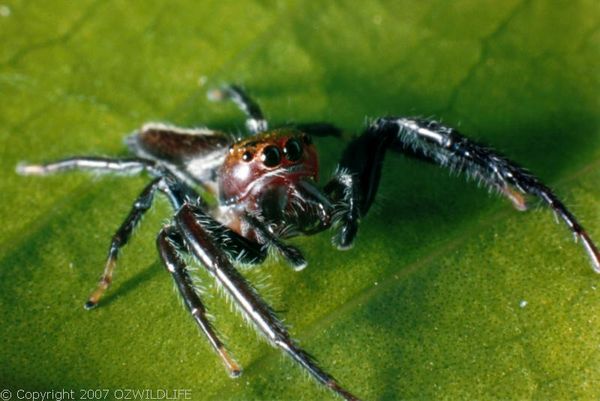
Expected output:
(176, 145)
(196, 153)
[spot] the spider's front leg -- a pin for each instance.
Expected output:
(190, 222)
(170, 245)
(357, 180)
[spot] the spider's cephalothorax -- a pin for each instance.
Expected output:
(273, 175)
(267, 190)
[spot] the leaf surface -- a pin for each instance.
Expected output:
(447, 294)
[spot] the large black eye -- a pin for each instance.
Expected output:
(271, 156)
(293, 150)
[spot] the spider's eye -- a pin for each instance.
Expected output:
(293, 150)
(307, 139)
(247, 156)
(271, 156)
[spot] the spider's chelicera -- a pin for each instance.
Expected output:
(267, 190)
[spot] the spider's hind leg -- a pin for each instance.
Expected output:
(255, 121)
(170, 245)
(95, 164)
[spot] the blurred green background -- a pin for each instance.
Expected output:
(448, 292)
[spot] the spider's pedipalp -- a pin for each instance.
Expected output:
(291, 254)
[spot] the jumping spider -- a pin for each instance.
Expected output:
(266, 186)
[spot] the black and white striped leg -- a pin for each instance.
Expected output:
(291, 254)
(170, 245)
(89, 163)
(120, 239)
(434, 142)
(345, 190)
(255, 121)
(251, 305)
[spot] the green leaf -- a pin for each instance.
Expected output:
(447, 294)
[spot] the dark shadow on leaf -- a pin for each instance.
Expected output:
(118, 291)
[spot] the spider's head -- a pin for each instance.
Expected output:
(271, 160)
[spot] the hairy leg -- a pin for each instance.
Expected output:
(357, 179)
